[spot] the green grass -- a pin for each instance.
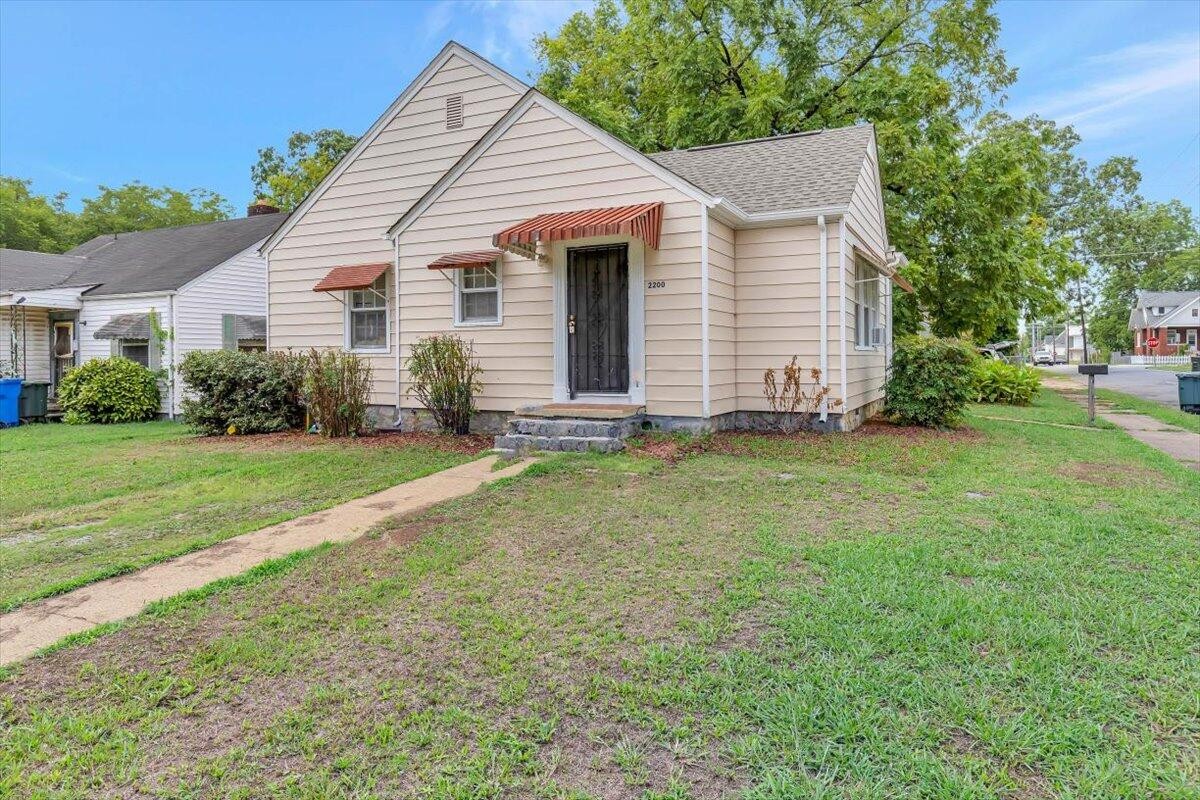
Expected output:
(82, 503)
(1171, 416)
(1172, 367)
(1004, 613)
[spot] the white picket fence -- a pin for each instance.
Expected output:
(1160, 360)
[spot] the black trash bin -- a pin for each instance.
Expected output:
(32, 403)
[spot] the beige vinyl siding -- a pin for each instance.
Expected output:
(722, 319)
(544, 164)
(347, 222)
(779, 305)
(865, 369)
(31, 339)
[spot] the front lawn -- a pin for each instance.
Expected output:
(1004, 612)
(83, 503)
(1171, 416)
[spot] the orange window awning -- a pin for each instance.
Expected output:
(356, 276)
(643, 221)
(475, 258)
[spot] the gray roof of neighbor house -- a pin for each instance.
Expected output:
(1142, 314)
(796, 171)
(24, 270)
(166, 258)
(137, 326)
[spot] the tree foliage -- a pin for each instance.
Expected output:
(969, 191)
(30, 221)
(286, 178)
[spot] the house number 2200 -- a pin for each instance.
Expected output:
(656, 284)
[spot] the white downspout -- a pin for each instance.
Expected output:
(396, 280)
(842, 312)
(267, 259)
(705, 388)
(824, 271)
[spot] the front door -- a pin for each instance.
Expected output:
(598, 320)
(62, 347)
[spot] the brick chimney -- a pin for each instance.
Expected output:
(259, 207)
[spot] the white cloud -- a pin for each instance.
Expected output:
(501, 30)
(1120, 88)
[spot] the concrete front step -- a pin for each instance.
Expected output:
(589, 428)
(511, 443)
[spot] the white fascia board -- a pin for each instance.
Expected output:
(449, 51)
(121, 295)
(532, 98)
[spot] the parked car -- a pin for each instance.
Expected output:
(1043, 356)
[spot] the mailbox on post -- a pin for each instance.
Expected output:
(1092, 370)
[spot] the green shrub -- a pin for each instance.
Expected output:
(931, 380)
(109, 390)
(999, 382)
(227, 391)
(445, 379)
(337, 387)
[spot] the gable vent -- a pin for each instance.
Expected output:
(454, 111)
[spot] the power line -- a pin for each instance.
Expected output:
(1141, 252)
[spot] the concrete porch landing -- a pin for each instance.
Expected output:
(609, 411)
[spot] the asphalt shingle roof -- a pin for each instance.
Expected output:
(783, 173)
(1142, 314)
(166, 258)
(23, 270)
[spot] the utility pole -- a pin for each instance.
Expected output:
(1082, 322)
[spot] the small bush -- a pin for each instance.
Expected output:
(234, 392)
(931, 380)
(337, 387)
(109, 390)
(445, 379)
(1010, 384)
(793, 407)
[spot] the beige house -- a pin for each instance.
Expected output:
(585, 272)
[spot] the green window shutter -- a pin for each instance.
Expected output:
(114, 347)
(154, 355)
(228, 335)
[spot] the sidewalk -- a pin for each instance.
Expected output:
(28, 629)
(1179, 444)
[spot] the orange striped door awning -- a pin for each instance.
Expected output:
(356, 276)
(475, 258)
(643, 221)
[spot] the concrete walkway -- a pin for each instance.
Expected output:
(1180, 444)
(28, 629)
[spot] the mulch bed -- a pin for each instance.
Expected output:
(470, 444)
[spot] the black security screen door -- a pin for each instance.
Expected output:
(598, 320)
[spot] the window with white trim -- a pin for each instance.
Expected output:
(366, 317)
(866, 302)
(1172, 336)
(477, 296)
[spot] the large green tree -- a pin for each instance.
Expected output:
(967, 192)
(286, 178)
(138, 207)
(31, 221)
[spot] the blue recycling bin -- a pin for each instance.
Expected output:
(10, 393)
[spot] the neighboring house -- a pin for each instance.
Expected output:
(1172, 318)
(205, 283)
(1068, 345)
(583, 270)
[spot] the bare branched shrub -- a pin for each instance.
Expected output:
(337, 387)
(792, 406)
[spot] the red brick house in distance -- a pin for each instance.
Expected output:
(1171, 320)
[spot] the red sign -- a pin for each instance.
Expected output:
(1152, 341)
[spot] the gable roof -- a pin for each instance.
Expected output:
(25, 270)
(451, 50)
(810, 170)
(1142, 314)
(164, 259)
(531, 98)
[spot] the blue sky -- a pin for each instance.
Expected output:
(184, 94)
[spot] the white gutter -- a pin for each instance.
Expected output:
(396, 270)
(824, 277)
(842, 310)
(173, 371)
(267, 259)
(705, 382)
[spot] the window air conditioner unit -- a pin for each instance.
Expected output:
(876, 336)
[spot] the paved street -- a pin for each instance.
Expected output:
(1152, 384)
